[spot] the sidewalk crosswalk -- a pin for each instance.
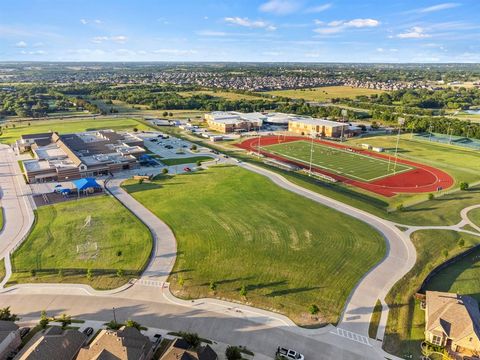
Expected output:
(152, 283)
(352, 336)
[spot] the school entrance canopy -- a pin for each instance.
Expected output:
(86, 183)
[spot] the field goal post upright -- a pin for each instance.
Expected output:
(401, 122)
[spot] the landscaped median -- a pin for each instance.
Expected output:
(405, 328)
(242, 238)
(94, 241)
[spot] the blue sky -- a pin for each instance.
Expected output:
(241, 30)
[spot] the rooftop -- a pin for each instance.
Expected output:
(319, 122)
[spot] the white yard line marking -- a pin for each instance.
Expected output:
(335, 171)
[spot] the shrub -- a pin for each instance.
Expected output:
(193, 147)
(65, 320)
(113, 325)
(6, 315)
(233, 353)
(43, 319)
(33, 273)
(213, 285)
(461, 243)
(119, 253)
(243, 291)
(133, 324)
(140, 181)
(164, 171)
(445, 253)
(89, 274)
(120, 273)
(313, 309)
(135, 129)
(400, 207)
(464, 186)
(191, 338)
(199, 163)
(431, 196)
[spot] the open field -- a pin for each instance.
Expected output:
(402, 337)
(325, 93)
(227, 95)
(188, 160)
(338, 161)
(462, 277)
(462, 164)
(235, 228)
(95, 233)
(474, 216)
(67, 126)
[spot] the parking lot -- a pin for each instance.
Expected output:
(168, 147)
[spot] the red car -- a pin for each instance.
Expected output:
(187, 169)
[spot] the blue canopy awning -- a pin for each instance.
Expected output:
(85, 183)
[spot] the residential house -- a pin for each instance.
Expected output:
(9, 338)
(180, 350)
(453, 321)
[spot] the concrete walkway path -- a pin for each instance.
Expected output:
(16, 205)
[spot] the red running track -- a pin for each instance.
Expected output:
(421, 179)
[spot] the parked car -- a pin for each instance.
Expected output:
(290, 354)
(187, 169)
(24, 331)
(88, 331)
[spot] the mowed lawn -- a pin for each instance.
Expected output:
(342, 162)
(236, 228)
(462, 164)
(11, 134)
(185, 160)
(325, 93)
(463, 277)
(474, 216)
(95, 233)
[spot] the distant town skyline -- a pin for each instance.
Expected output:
(246, 31)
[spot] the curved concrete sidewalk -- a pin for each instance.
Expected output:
(164, 251)
(18, 214)
(376, 284)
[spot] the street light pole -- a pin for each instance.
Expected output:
(114, 316)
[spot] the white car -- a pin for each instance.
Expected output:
(284, 353)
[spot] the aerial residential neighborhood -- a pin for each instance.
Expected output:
(224, 180)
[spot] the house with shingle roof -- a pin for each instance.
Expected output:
(127, 343)
(53, 344)
(453, 321)
(181, 350)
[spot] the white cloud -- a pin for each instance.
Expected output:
(337, 26)
(38, 44)
(95, 21)
(318, 22)
(118, 39)
(319, 8)
(175, 52)
(21, 44)
(361, 23)
(246, 22)
(280, 7)
(415, 32)
(211, 33)
(439, 7)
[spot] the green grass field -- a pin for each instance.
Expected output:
(96, 233)
(345, 163)
(10, 134)
(474, 216)
(462, 164)
(403, 335)
(462, 277)
(236, 228)
(188, 160)
(227, 95)
(325, 93)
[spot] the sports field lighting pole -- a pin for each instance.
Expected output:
(259, 137)
(401, 121)
(344, 115)
(311, 155)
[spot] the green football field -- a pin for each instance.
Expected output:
(349, 164)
